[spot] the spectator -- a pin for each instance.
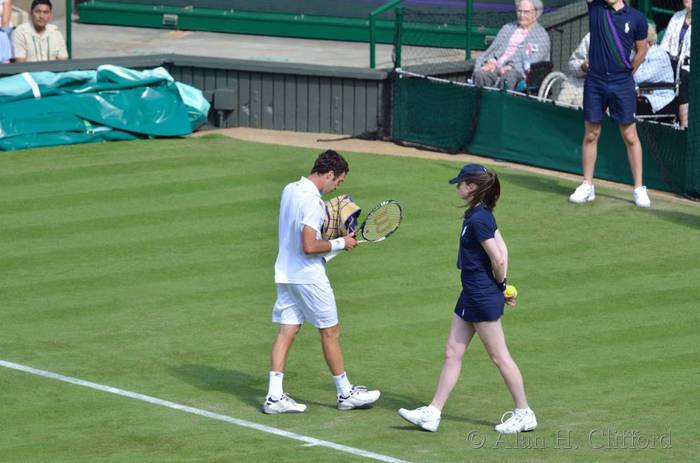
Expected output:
(38, 40)
(5, 48)
(655, 68)
(676, 43)
(572, 89)
(5, 14)
(516, 46)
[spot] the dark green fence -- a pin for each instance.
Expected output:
(458, 118)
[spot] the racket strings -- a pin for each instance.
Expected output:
(382, 222)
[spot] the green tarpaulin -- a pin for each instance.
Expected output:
(110, 103)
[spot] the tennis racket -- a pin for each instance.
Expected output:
(381, 222)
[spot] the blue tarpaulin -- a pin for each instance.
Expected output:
(110, 103)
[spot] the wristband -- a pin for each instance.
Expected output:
(337, 244)
(502, 284)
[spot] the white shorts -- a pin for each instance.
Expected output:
(314, 303)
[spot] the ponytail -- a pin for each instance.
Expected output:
(488, 190)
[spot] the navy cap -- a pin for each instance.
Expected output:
(469, 169)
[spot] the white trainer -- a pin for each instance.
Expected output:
(359, 397)
(518, 422)
(641, 197)
(585, 193)
(285, 404)
(423, 417)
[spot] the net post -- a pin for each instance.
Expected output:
(69, 28)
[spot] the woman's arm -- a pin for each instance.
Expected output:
(497, 251)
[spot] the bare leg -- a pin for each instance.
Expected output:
(634, 151)
(683, 115)
(281, 346)
(461, 333)
(590, 150)
(330, 341)
(491, 334)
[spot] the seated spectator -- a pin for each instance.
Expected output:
(676, 43)
(571, 92)
(5, 48)
(38, 40)
(656, 68)
(517, 45)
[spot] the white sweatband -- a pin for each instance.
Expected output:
(337, 244)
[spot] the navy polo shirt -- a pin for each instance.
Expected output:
(479, 225)
(613, 34)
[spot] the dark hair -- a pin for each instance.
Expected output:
(36, 3)
(488, 189)
(329, 161)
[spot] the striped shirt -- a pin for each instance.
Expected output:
(613, 34)
(47, 46)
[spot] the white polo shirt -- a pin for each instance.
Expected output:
(301, 205)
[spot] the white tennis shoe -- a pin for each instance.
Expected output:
(585, 193)
(423, 417)
(519, 421)
(359, 397)
(285, 404)
(641, 197)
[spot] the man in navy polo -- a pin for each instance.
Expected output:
(616, 29)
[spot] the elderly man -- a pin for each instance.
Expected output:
(38, 40)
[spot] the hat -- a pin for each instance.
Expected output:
(469, 169)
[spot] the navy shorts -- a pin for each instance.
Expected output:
(614, 93)
(480, 300)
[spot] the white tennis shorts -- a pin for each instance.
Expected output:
(314, 303)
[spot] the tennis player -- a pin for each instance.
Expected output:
(303, 290)
(609, 86)
(483, 261)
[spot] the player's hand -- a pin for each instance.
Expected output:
(584, 66)
(350, 241)
(510, 300)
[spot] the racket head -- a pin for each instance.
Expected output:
(382, 221)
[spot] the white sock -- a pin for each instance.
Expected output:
(522, 411)
(275, 390)
(342, 385)
(434, 410)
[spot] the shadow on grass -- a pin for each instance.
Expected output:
(538, 183)
(677, 217)
(251, 390)
(392, 401)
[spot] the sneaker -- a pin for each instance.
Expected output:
(585, 193)
(641, 198)
(285, 404)
(518, 422)
(359, 397)
(423, 417)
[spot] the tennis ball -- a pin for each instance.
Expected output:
(511, 291)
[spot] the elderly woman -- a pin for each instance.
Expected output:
(516, 46)
(676, 43)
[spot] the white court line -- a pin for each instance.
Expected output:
(309, 441)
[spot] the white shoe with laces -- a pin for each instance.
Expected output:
(359, 397)
(285, 404)
(641, 197)
(423, 417)
(519, 421)
(585, 193)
